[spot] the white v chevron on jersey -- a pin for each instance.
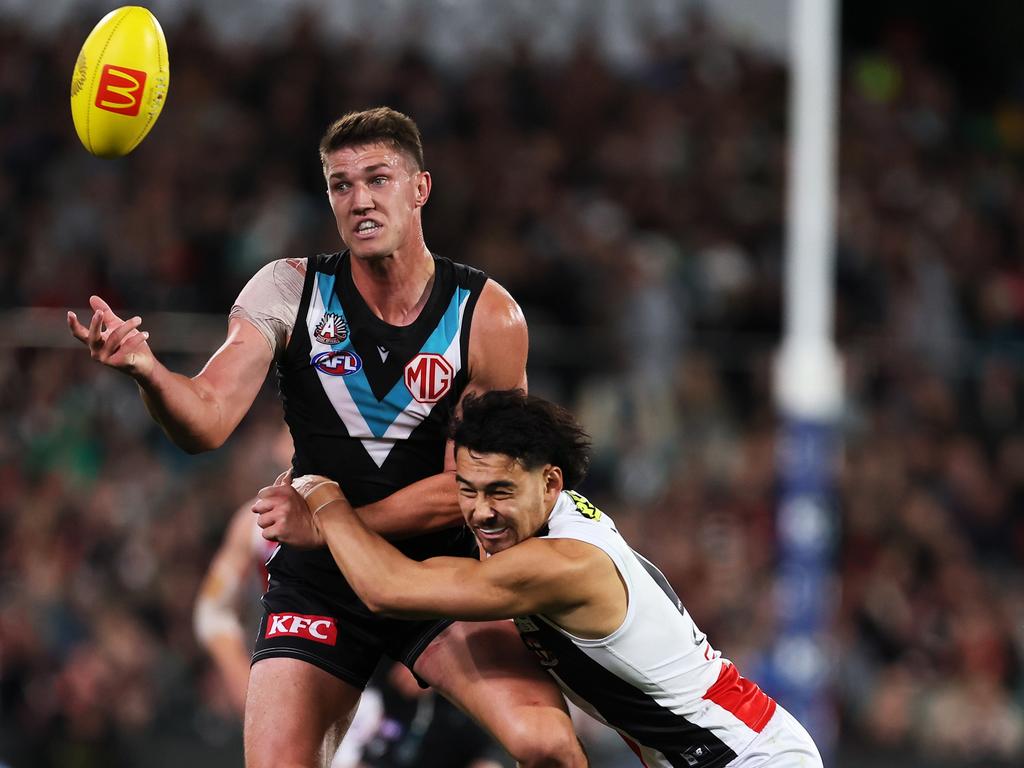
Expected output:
(379, 424)
(383, 353)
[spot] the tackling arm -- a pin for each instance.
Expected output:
(200, 413)
(531, 577)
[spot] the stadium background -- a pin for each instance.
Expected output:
(620, 168)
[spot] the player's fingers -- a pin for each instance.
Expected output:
(95, 338)
(133, 343)
(78, 330)
(270, 527)
(262, 505)
(285, 478)
(117, 336)
(274, 492)
(108, 314)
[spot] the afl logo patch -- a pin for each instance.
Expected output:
(428, 377)
(337, 363)
(332, 329)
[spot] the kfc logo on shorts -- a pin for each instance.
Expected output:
(319, 629)
(332, 329)
(428, 377)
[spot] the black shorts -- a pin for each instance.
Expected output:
(310, 613)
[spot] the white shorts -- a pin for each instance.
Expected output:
(783, 743)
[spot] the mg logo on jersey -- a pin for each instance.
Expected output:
(337, 363)
(331, 329)
(120, 90)
(429, 376)
(319, 629)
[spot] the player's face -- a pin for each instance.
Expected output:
(376, 193)
(503, 502)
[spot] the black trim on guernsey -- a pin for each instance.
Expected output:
(629, 709)
(660, 580)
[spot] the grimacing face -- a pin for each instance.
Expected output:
(375, 192)
(501, 501)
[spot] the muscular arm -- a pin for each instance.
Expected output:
(532, 577)
(427, 505)
(572, 582)
(199, 413)
(498, 347)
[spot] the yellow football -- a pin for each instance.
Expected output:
(120, 81)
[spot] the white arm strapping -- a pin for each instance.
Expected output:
(270, 300)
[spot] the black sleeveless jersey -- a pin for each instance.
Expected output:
(368, 404)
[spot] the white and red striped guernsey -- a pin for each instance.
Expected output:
(656, 679)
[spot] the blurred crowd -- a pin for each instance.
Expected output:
(637, 215)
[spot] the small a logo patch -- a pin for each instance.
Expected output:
(337, 363)
(332, 329)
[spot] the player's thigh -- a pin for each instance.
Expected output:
(484, 668)
(295, 714)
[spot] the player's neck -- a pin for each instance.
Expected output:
(396, 287)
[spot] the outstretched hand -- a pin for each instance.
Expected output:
(113, 341)
(284, 516)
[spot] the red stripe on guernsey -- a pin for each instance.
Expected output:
(635, 747)
(741, 697)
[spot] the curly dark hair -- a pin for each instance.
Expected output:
(529, 429)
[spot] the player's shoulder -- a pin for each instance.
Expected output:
(462, 275)
(325, 262)
(497, 309)
(543, 559)
(575, 517)
(499, 340)
(575, 508)
(280, 269)
(298, 266)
